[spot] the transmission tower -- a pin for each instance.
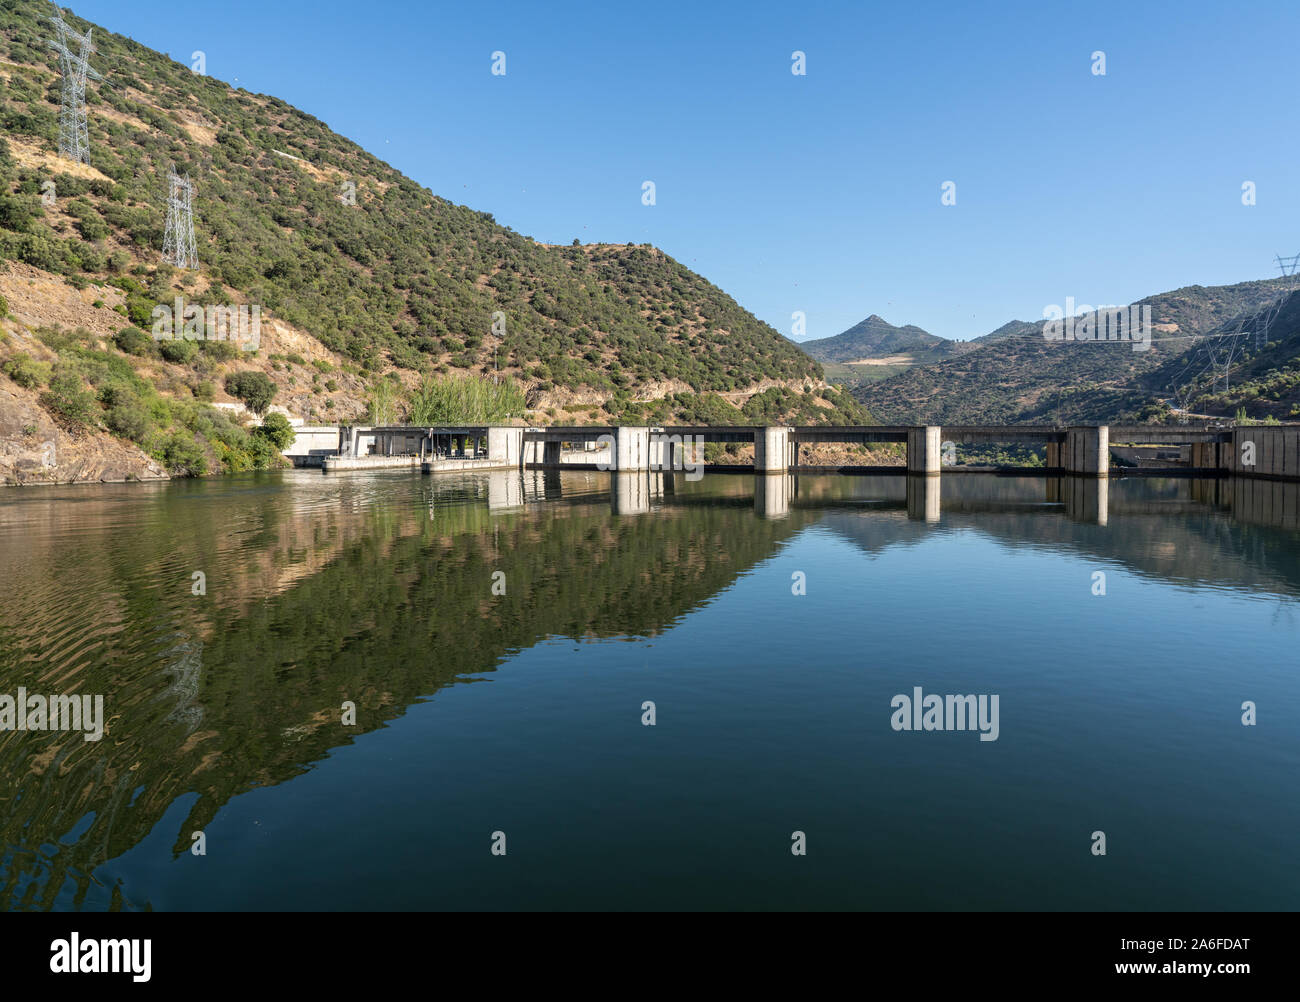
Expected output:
(1213, 357)
(179, 248)
(1288, 267)
(74, 61)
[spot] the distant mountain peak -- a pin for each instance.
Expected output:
(873, 337)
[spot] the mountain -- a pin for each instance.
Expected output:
(1015, 375)
(367, 282)
(873, 338)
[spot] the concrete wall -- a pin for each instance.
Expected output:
(1275, 451)
(506, 446)
(772, 450)
(1211, 455)
(312, 443)
(631, 449)
(1087, 451)
(924, 449)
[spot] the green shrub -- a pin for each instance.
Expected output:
(133, 341)
(277, 430)
(182, 455)
(180, 352)
(129, 419)
(255, 389)
(69, 401)
(263, 451)
(4, 308)
(26, 371)
(92, 228)
(219, 351)
(140, 310)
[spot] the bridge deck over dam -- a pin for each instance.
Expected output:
(1082, 450)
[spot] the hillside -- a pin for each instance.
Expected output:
(1261, 385)
(1015, 376)
(367, 282)
(1012, 328)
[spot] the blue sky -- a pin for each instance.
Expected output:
(817, 193)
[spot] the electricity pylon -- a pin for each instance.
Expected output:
(179, 247)
(1288, 267)
(74, 132)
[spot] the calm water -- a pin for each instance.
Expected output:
(522, 713)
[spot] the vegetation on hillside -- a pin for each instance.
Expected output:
(89, 388)
(1261, 386)
(1021, 378)
(323, 235)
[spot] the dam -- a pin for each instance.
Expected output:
(1271, 452)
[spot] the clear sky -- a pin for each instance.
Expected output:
(816, 193)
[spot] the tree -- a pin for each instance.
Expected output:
(255, 389)
(277, 429)
(382, 407)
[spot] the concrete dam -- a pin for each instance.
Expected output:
(1270, 452)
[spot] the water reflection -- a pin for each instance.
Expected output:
(377, 589)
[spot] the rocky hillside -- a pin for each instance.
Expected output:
(367, 282)
(1016, 376)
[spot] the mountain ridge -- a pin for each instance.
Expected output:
(872, 338)
(1020, 377)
